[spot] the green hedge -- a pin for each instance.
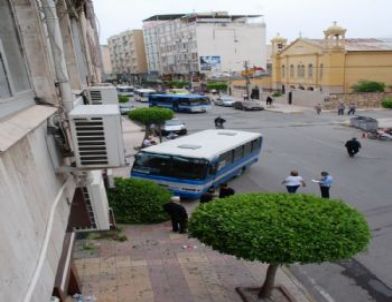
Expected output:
(221, 86)
(276, 94)
(138, 201)
(369, 86)
(387, 102)
(280, 228)
(151, 115)
(123, 98)
(178, 84)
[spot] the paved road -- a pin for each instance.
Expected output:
(311, 144)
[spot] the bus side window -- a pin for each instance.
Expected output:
(256, 144)
(247, 148)
(213, 169)
(238, 153)
(225, 159)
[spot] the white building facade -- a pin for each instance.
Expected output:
(204, 43)
(49, 53)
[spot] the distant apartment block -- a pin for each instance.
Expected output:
(106, 62)
(204, 42)
(127, 53)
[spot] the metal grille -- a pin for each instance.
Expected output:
(90, 136)
(96, 97)
(89, 208)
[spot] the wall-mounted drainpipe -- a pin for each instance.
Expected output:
(57, 49)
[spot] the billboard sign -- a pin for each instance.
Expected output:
(210, 62)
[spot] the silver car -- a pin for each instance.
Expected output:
(225, 101)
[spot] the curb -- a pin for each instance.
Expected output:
(298, 284)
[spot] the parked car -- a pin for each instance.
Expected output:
(125, 108)
(225, 101)
(248, 105)
(174, 126)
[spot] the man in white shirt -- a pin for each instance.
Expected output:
(293, 182)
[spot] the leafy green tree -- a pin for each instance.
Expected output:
(123, 98)
(280, 228)
(387, 102)
(138, 201)
(220, 86)
(149, 116)
(368, 86)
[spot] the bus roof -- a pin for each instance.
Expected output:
(145, 90)
(180, 96)
(205, 144)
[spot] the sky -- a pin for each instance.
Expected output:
(289, 18)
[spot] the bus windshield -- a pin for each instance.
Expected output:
(170, 166)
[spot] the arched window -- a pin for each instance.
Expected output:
(298, 71)
(291, 71)
(321, 72)
(310, 71)
(283, 71)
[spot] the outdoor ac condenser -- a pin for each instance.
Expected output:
(102, 95)
(97, 136)
(98, 200)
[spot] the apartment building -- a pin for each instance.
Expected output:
(106, 62)
(49, 55)
(127, 53)
(204, 43)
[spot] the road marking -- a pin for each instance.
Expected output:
(320, 290)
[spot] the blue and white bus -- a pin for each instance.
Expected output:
(180, 102)
(190, 165)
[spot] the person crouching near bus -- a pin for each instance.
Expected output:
(225, 191)
(208, 196)
(177, 213)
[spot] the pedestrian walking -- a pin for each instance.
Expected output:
(352, 146)
(290, 97)
(293, 182)
(225, 191)
(325, 183)
(351, 109)
(318, 108)
(178, 214)
(341, 108)
(268, 101)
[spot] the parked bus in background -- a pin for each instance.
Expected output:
(190, 165)
(180, 102)
(125, 90)
(141, 95)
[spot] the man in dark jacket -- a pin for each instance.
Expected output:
(352, 146)
(177, 213)
(219, 121)
(225, 191)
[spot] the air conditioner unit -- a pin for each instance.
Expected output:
(97, 136)
(97, 199)
(102, 95)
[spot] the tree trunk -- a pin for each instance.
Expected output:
(266, 288)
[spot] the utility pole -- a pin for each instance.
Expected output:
(247, 80)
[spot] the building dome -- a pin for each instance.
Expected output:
(278, 39)
(335, 30)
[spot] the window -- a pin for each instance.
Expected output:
(321, 71)
(283, 71)
(225, 159)
(247, 148)
(300, 71)
(310, 71)
(238, 153)
(256, 144)
(291, 71)
(14, 80)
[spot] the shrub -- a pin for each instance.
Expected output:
(123, 98)
(276, 94)
(368, 86)
(387, 102)
(221, 86)
(152, 115)
(138, 201)
(280, 228)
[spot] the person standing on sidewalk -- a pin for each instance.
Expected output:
(177, 213)
(351, 109)
(325, 183)
(341, 108)
(318, 108)
(269, 101)
(293, 182)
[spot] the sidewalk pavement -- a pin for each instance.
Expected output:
(283, 108)
(157, 265)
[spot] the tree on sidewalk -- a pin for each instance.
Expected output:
(151, 116)
(280, 228)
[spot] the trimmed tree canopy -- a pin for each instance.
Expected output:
(138, 201)
(280, 228)
(153, 115)
(369, 86)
